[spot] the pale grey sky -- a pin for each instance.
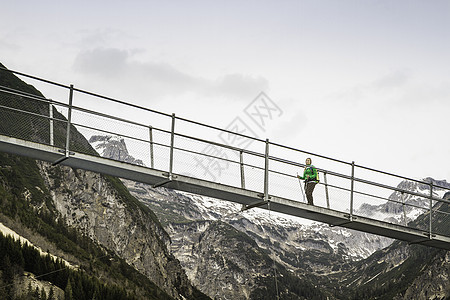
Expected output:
(367, 81)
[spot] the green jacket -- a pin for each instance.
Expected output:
(310, 173)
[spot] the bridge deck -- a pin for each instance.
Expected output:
(219, 191)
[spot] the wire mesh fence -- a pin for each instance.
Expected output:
(179, 146)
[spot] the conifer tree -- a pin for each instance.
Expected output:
(51, 294)
(68, 291)
(43, 294)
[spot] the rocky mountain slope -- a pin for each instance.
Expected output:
(393, 211)
(308, 251)
(403, 271)
(121, 248)
(305, 250)
(90, 220)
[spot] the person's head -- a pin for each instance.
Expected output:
(308, 161)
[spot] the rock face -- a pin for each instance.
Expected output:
(433, 283)
(403, 271)
(230, 265)
(220, 248)
(113, 147)
(189, 220)
(97, 207)
(213, 241)
(228, 254)
(395, 212)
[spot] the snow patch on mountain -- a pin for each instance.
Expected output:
(269, 228)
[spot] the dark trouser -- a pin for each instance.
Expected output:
(309, 188)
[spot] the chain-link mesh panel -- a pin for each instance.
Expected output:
(254, 178)
(372, 202)
(339, 198)
(441, 219)
(206, 161)
(421, 220)
(283, 181)
(24, 118)
(338, 190)
(253, 172)
(285, 186)
(375, 194)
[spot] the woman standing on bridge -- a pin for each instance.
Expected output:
(311, 178)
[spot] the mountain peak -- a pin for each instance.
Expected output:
(113, 147)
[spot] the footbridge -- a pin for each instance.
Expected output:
(229, 164)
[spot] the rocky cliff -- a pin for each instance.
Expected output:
(94, 210)
(303, 249)
(341, 261)
(96, 207)
(226, 253)
(401, 270)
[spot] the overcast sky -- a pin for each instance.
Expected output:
(367, 81)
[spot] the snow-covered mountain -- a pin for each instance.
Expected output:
(301, 246)
(113, 147)
(395, 212)
(256, 221)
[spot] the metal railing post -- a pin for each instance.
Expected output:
(266, 172)
(50, 115)
(150, 132)
(241, 161)
(326, 190)
(351, 190)
(172, 140)
(403, 205)
(69, 120)
(431, 207)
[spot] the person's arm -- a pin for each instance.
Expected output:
(302, 177)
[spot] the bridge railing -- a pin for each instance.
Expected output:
(177, 145)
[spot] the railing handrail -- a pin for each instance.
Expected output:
(13, 91)
(267, 169)
(207, 125)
